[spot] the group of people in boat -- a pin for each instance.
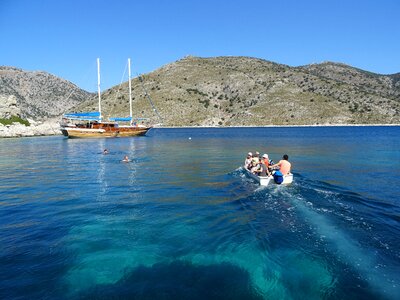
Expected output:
(264, 166)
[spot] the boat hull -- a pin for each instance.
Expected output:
(73, 132)
(269, 180)
(132, 131)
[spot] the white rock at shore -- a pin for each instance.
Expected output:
(50, 127)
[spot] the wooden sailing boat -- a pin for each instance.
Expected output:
(91, 125)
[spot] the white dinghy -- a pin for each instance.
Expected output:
(267, 180)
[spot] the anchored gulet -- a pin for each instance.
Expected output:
(91, 124)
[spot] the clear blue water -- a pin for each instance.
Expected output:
(183, 221)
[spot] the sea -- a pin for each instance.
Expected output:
(182, 219)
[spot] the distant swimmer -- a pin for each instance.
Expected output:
(284, 165)
(105, 151)
(126, 159)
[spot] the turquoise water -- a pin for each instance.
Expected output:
(183, 221)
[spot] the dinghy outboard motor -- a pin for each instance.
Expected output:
(278, 177)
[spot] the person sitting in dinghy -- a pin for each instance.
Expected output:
(247, 162)
(284, 165)
(262, 169)
(255, 166)
(268, 162)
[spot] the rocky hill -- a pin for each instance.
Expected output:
(38, 95)
(220, 91)
(244, 91)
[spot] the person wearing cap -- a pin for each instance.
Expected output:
(268, 162)
(284, 165)
(247, 162)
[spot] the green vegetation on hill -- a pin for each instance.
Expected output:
(14, 119)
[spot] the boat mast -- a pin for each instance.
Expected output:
(98, 85)
(130, 89)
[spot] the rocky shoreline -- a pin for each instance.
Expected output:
(37, 128)
(52, 127)
(9, 108)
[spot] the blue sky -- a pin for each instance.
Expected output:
(64, 38)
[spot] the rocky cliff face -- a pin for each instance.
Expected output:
(9, 107)
(243, 91)
(38, 95)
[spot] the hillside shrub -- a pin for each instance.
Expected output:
(196, 91)
(15, 119)
(206, 102)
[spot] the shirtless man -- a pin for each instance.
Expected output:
(284, 165)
